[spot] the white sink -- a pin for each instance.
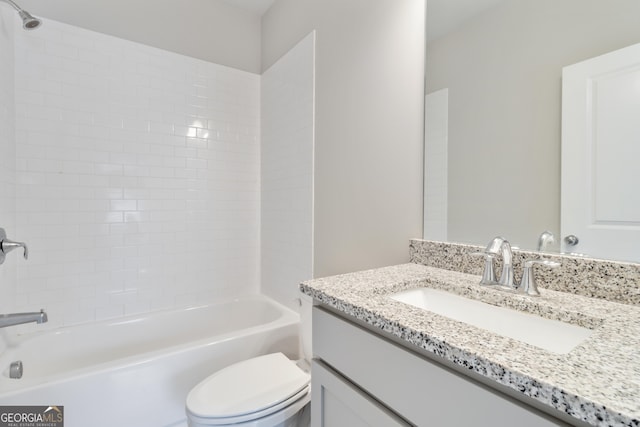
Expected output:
(551, 335)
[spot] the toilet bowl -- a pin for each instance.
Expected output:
(265, 391)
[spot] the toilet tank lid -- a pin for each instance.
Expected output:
(248, 386)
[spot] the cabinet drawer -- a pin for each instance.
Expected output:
(420, 390)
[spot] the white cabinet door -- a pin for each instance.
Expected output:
(338, 403)
(601, 155)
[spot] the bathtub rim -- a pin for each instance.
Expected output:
(37, 331)
(287, 318)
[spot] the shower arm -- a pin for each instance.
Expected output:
(15, 6)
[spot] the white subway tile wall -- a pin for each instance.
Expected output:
(138, 176)
(287, 172)
(7, 154)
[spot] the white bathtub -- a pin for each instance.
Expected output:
(137, 371)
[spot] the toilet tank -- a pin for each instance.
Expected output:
(306, 302)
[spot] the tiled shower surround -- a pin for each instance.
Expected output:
(286, 173)
(137, 176)
(7, 149)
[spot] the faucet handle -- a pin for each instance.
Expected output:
(7, 245)
(528, 284)
(488, 273)
(506, 276)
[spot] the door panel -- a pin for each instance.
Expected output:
(600, 155)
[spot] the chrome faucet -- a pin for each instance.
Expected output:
(545, 240)
(497, 246)
(20, 318)
(527, 285)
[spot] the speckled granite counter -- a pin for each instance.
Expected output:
(597, 382)
(616, 281)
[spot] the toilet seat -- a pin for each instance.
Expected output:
(278, 412)
(248, 390)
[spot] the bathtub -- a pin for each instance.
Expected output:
(137, 371)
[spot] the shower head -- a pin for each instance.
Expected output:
(29, 22)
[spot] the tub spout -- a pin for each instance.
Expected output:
(20, 318)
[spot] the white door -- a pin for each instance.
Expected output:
(601, 155)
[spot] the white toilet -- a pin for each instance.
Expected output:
(266, 391)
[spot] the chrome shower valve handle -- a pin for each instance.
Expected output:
(7, 245)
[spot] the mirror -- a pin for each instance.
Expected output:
(493, 110)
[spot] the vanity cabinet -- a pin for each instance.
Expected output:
(361, 378)
(340, 403)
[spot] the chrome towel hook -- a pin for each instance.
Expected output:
(7, 245)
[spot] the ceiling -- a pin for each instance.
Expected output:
(444, 16)
(254, 6)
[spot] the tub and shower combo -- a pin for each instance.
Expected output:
(137, 371)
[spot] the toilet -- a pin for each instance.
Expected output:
(265, 391)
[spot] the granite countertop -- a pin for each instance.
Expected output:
(597, 382)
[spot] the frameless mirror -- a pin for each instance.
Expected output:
(493, 110)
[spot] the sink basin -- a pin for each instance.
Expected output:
(551, 335)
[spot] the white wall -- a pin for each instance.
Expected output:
(283, 26)
(503, 70)
(137, 176)
(211, 30)
(287, 90)
(368, 124)
(7, 154)
(435, 165)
